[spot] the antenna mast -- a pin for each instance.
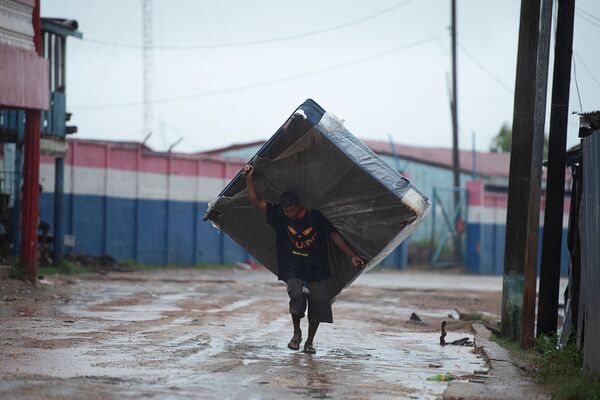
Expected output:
(148, 58)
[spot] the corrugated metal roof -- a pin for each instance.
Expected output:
(215, 156)
(487, 164)
(237, 146)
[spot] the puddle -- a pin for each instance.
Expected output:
(129, 349)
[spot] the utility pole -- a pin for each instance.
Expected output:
(455, 157)
(148, 63)
(522, 224)
(31, 172)
(555, 187)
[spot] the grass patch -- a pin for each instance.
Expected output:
(508, 344)
(144, 267)
(560, 368)
(17, 271)
(472, 317)
(64, 268)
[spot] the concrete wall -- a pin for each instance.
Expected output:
(486, 230)
(138, 205)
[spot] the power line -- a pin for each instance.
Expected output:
(268, 82)
(589, 71)
(588, 19)
(588, 14)
(257, 42)
(486, 70)
(577, 84)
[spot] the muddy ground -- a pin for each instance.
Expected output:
(189, 333)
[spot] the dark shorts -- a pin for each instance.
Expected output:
(319, 303)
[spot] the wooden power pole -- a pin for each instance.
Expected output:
(455, 156)
(522, 224)
(555, 187)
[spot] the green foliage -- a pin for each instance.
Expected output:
(579, 388)
(558, 367)
(503, 141)
(472, 317)
(129, 263)
(506, 343)
(64, 268)
(554, 364)
(17, 271)
(142, 267)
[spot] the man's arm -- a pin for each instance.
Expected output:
(341, 244)
(253, 196)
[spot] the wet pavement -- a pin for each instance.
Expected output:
(223, 333)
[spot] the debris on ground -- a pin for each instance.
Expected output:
(442, 377)
(465, 341)
(102, 264)
(415, 319)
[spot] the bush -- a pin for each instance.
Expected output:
(561, 368)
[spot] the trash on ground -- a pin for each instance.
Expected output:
(442, 377)
(415, 319)
(465, 341)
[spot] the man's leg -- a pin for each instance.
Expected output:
(297, 338)
(297, 309)
(319, 310)
(312, 330)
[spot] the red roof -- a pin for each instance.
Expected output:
(487, 164)
(232, 147)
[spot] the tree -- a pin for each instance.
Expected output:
(502, 141)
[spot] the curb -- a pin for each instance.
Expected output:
(506, 379)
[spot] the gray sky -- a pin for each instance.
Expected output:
(382, 67)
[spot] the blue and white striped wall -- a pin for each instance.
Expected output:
(131, 203)
(486, 231)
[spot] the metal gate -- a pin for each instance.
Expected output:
(448, 226)
(12, 133)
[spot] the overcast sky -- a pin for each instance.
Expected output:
(381, 65)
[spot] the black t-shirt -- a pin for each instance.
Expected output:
(301, 244)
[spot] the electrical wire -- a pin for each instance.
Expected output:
(257, 42)
(589, 71)
(96, 80)
(588, 14)
(485, 69)
(577, 85)
(268, 82)
(588, 19)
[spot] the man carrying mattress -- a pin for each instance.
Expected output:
(301, 240)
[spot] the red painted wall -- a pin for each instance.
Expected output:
(23, 73)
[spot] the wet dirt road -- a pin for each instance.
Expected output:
(222, 334)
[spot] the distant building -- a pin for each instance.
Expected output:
(125, 200)
(33, 122)
(484, 183)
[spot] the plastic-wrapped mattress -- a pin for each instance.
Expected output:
(369, 203)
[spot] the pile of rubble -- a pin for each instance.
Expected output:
(103, 263)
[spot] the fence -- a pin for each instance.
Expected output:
(589, 228)
(486, 229)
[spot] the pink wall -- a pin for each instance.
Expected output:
(134, 157)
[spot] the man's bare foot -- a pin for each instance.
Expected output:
(294, 344)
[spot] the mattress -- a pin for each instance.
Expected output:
(369, 203)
